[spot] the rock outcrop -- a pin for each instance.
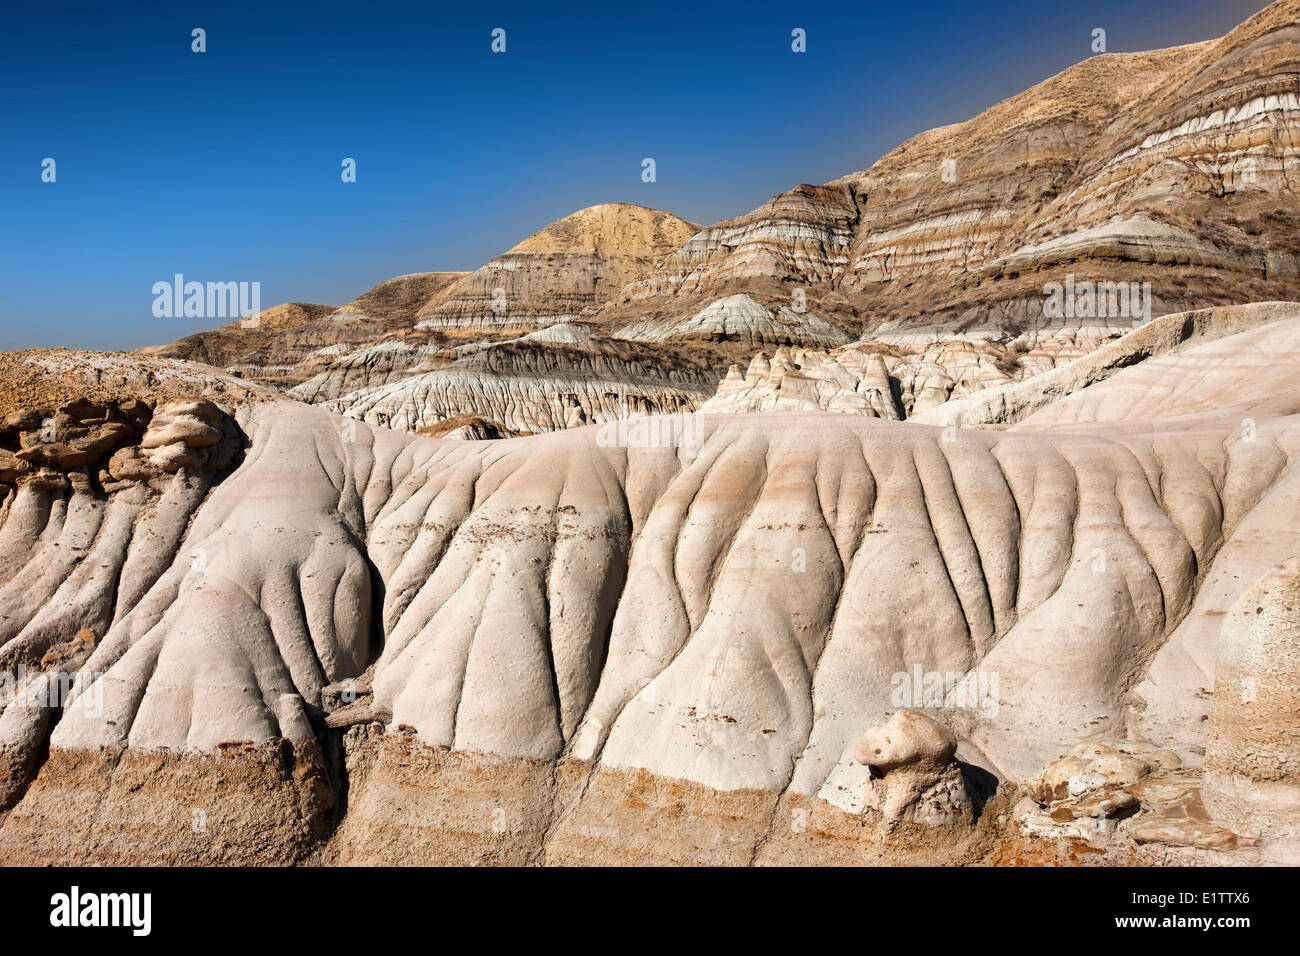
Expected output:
(914, 776)
(400, 299)
(900, 375)
(1117, 793)
(664, 600)
(530, 385)
(1161, 345)
(241, 628)
(283, 345)
(738, 318)
(262, 347)
(1252, 761)
(343, 370)
(411, 326)
(1125, 188)
(563, 272)
(46, 379)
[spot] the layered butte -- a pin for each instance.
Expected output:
(1172, 168)
(561, 272)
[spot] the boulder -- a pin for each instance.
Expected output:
(914, 776)
(1091, 766)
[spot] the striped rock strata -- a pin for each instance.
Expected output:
(900, 375)
(1174, 168)
(539, 382)
(562, 272)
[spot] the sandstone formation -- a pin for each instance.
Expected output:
(282, 345)
(399, 299)
(1170, 335)
(1253, 756)
(531, 384)
(343, 370)
(466, 428)
(262, 341)
(432, 578)
(1116, 793)
(738, 318)
(43, 379)
(1134, 184)
(411, 326)
(786, 254)
(914, 775)
(562, 272)
(901, 375)
(263, 347)
(507, 651)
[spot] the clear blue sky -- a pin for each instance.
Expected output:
(225, 165)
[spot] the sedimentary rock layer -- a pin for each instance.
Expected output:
(899, 375)
(283, 345)
(715, 607)
(531, 385)
(1155, 347)
(561, 272)
(1173, 168)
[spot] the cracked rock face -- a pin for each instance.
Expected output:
(1091, 766)
(1118, 793)
(115, 441)
(196, 435)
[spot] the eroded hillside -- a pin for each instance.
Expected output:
(361, 646)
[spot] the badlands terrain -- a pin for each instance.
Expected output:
(812, 536)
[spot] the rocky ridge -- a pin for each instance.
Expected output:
(1170, 167)
(281, 346)
(561, 273)
(532, 384)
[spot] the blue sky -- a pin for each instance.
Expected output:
(225, 165)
